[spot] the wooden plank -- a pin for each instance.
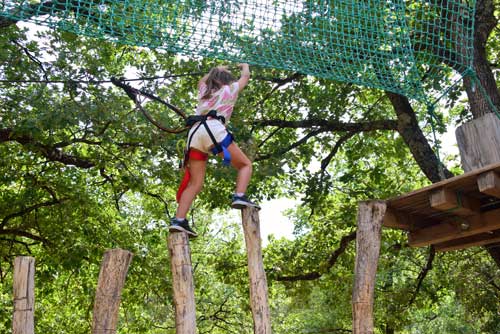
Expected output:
(453, 202)
(258, 281)
(456, 228)
(182, 283)
(114, 268)
(462, 243)
(368, 238)
(489, 183)
(460, 181)
(23, 321)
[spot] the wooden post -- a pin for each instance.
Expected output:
(478, 142)
(368, 236)
(114, 267)
(183, 286)
(24, 295)
(258, 281)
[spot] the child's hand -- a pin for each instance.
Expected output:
(242, 65)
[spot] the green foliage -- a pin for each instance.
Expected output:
(82, 171)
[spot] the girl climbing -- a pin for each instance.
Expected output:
(217, 94)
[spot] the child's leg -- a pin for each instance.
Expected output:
(244, 166)
(197, 169)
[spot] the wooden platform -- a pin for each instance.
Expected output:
(456, 213)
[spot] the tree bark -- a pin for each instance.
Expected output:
(112, 276)
(368, 237)
(413, 136)
(23, 321)
(183, 285)
(258, 281)
(484, 24)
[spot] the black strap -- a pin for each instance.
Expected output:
(211, 135)
(191, 120)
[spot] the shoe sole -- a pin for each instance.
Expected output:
(181, 229)
(242, 205)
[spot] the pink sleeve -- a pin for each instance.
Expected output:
(202, 89)
(235, 87)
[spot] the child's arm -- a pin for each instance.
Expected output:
(244, 77)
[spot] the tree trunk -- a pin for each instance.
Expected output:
(112, 276)
(485, 22)
(368, 236)
(413, 136)
(24, 295)
(258, 281)
(183, 285)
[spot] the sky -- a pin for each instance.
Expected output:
(272, 220)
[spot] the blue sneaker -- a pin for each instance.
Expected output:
(240, 202)
(181, 226)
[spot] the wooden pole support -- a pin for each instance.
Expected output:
(183, 286)
(258, 281)
(368, 236)
(478, 142)
(114, 267)
(24, 295)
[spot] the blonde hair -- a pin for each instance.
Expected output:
(217, 77)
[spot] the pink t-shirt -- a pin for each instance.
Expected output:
(222, 100)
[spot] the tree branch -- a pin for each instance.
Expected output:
(21, 233)
(32, 57)
(344, 242)
(291, 147)
(279, 83)
(321, 125)
(330, 125)
(49, 152)
(326, 161)
(29, 209)
(423, 273)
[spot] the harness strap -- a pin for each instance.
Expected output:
(197, 155)
(222, 147)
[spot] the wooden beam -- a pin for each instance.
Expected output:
(393, 220)
(472, 241)
(458, 204)
(489, 183)
(459, 227)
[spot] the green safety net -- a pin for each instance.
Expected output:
(394, 45)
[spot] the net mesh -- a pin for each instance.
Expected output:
(393, 45)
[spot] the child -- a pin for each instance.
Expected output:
(217, 94)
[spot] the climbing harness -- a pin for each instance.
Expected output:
(198, 121)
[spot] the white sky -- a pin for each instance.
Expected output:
(272, 220)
